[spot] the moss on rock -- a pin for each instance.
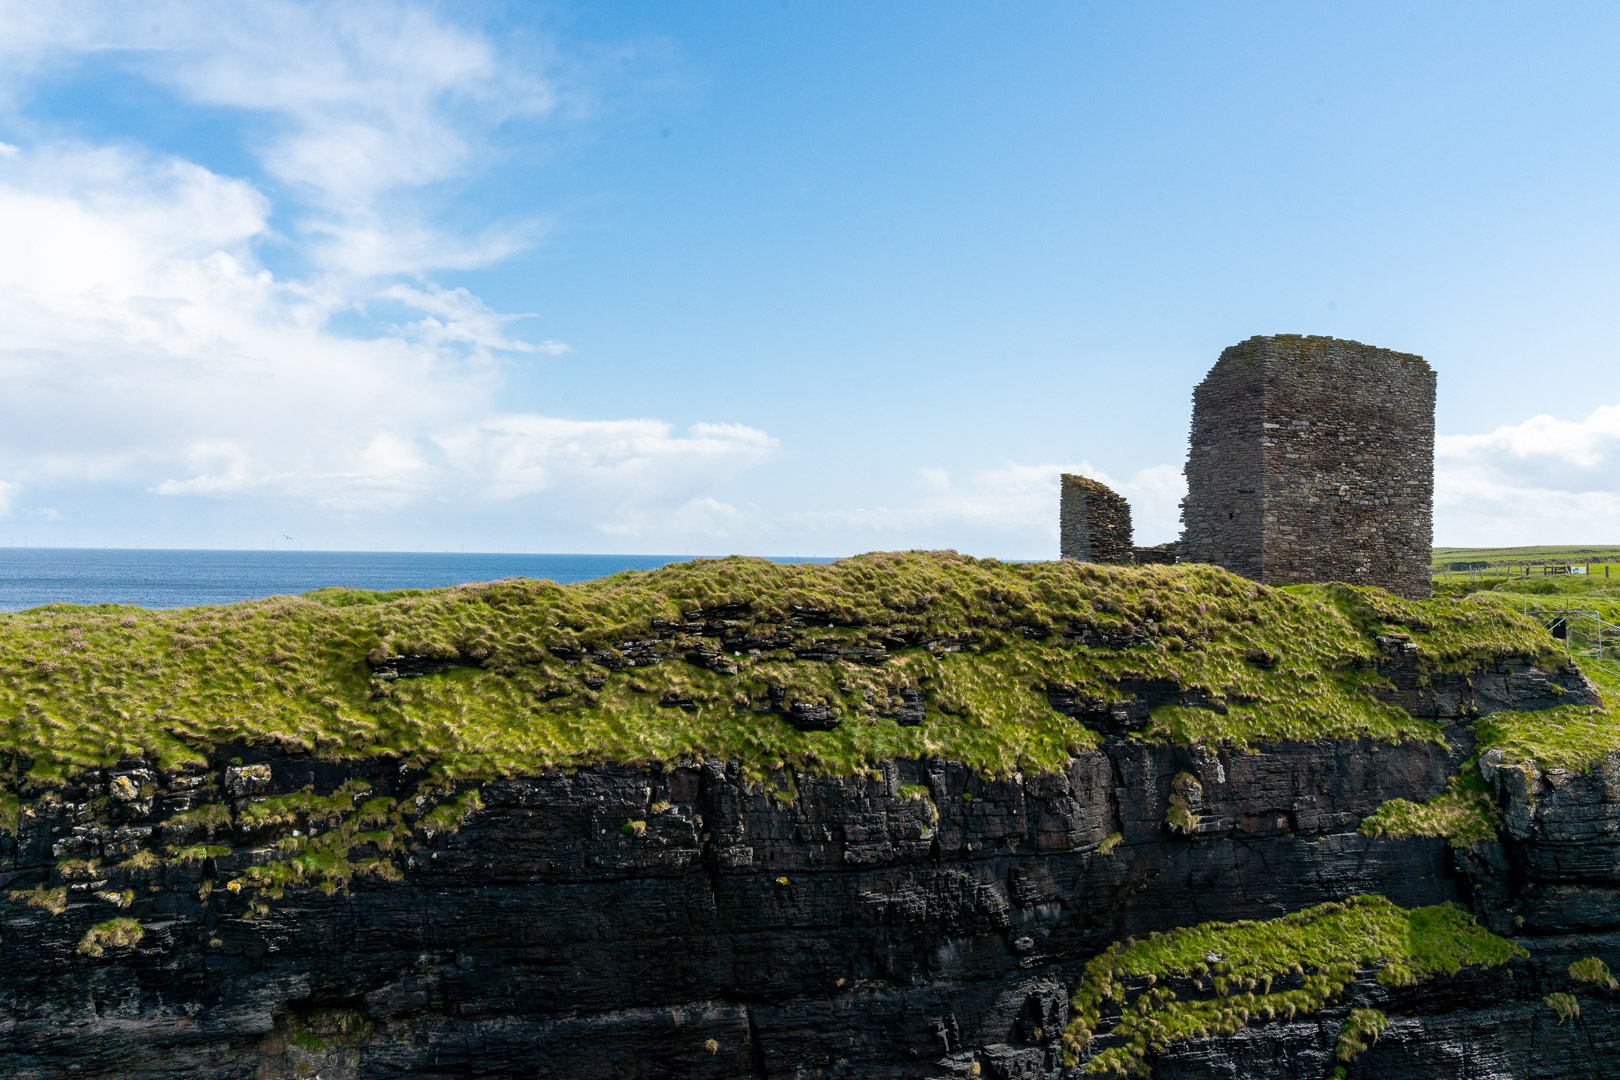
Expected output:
(1464, 814)
(1570, 737)
(1216, 977)
(1594, 972)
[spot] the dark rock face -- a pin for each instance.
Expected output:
(415, 665)
(1499, 686)
(916, 922)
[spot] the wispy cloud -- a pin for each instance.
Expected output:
(457, 316)
(348, 106)
(632, 477)
(144, 345)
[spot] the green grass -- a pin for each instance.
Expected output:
(1361, 1029)
(1558, 591)
(1571, 737)
(1234, 967)
(53, 901)
(1179, 816)
(1567, 554)
(83, 686)
(1464, 813)
(1594, 972)
(1565, 1005)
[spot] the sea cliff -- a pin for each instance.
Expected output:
(905, 816)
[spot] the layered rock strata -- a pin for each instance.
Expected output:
(918, 921)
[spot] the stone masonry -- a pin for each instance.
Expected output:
(1312, 459)
(1157, 555)
(1094, 522)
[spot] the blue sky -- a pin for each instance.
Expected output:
(787, 278)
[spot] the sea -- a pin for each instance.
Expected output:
(151, 578)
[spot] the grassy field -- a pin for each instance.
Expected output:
(1576, 554)
(1544, 596)
(1601, 562)
(1595, 591)
(543, 676)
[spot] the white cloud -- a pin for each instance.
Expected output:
(1541, 481)
(1014, 501)
(634, 477)
(348, 105)
(1155, 494)
(373, 95)
(703, 516)
(143, 345)
(375, 245)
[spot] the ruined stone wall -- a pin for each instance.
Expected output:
(1312, 459)
(1157, 555)
(1094, 522)
(1221, 514)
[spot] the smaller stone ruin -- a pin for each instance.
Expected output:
(1094, 522)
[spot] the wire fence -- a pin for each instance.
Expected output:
(1479, 571)
(1585, 633)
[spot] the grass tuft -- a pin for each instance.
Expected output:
(114, 932)
(1464, 813)
(1564, 1005)
(53, 901)
(1361, 1029)
(1593, 971)
(1571, 737)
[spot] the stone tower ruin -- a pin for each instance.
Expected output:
(1094, 522)
(1312, 459)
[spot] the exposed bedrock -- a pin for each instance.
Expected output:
(919, 921)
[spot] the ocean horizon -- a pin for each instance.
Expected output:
(190, 577)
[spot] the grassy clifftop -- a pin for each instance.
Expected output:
(898, 654)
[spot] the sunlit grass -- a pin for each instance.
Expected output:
(84, 686)
(1234, 970)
